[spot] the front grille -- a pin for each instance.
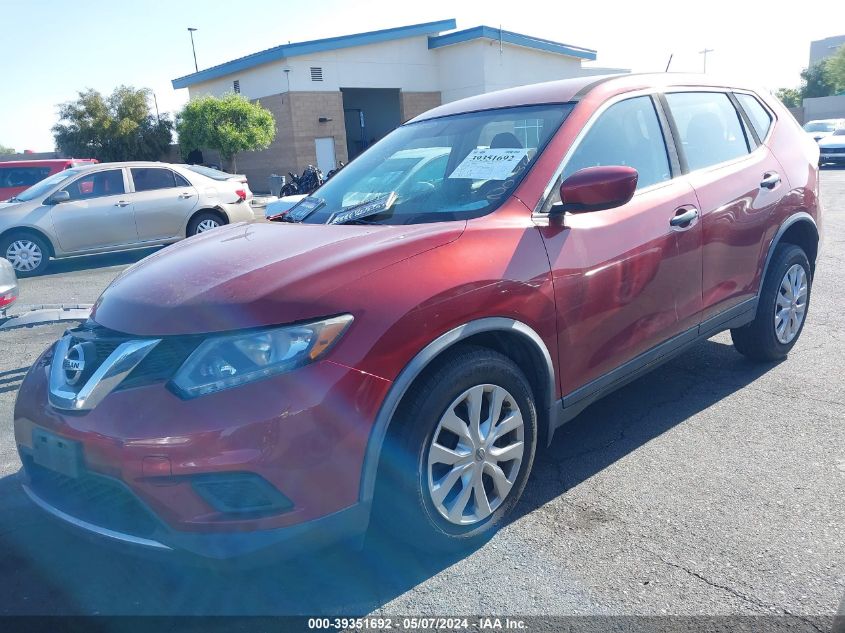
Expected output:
(833, 150)
(99, 500)
(159, 364)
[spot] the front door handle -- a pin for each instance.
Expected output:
(184, 195)
(121, 203)
(684, 217)
(771, 179)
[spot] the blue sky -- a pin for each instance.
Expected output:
(51, 49)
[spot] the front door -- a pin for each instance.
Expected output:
(163, 202)
(98, 214)
(625, 279)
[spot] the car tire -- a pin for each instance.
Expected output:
(408, 496)
(781, 313)
(28, 253)
(203, 222)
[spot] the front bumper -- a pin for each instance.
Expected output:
(305, 433)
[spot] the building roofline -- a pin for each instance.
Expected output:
(510, 37)
(313, 46)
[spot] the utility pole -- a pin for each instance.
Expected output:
(704, 52)
(193, 48)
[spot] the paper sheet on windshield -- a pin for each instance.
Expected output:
(489, 164)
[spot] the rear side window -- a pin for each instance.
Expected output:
(627, 133)
(760, 117)
(101, 183)
(151, 178)
(22, 176)
(709, 127)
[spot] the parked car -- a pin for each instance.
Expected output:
(8, 285)
(832, 148)
(820, 128)
(114, 206)
(18, 175)
(273, 385)
(216, 174)
(277, 208)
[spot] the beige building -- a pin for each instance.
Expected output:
(334, 97)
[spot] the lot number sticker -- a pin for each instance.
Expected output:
(489, 164)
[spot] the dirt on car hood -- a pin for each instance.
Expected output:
(252, 275)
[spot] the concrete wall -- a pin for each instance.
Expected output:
(824, 108)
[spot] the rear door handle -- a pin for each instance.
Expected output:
(684, 217)
(771, 179)
(184, 195)
(121, 203)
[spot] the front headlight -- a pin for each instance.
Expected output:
(221, 362)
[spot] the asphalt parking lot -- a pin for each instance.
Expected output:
(712, 486)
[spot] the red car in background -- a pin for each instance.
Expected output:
(18, 175)
(402, 347)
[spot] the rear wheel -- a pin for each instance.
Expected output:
(28, 253)
(782, 311)
(203, 222)
(460, 451)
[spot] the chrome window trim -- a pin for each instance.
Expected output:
(102, 382)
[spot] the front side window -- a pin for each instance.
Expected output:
(43, 187)
(96, 185)
(628, 133)
(709, 128)
(760, 117)
(450, 168)
(151, 178)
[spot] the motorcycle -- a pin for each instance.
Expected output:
(307, 183)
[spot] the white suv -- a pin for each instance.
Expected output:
(116, 206)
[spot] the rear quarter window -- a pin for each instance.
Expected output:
(760, 117)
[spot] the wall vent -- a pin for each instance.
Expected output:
(236, 86)
(316, 73)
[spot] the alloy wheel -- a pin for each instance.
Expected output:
(791, 304)
(475, 454)
(24, 255)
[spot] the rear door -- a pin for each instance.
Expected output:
(163, 202)
(99, 213)
(625, 279)
(738, 184)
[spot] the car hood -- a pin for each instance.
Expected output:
(252, 275)
(7, 205)
(832, 141)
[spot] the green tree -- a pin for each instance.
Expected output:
(114, 128)
(835, 69)
(815, 81)
(791, 97)
(6, 150)
(229, 124)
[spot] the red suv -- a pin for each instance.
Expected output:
(401, 345)
(18, 175)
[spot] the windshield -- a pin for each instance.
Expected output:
(41, 188)
(839, 132)
(451, 168)
(819, 126)
(210, 172)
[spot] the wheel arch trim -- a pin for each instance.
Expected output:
(801, 216)
(418, 364)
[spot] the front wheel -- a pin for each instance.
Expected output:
(459, 452)
(28, 253)
(782, 310)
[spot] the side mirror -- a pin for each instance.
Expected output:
(58, 197)
(596, 189)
